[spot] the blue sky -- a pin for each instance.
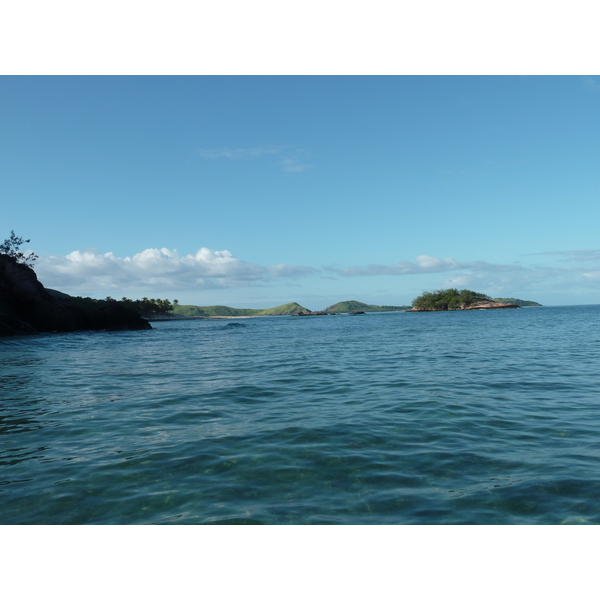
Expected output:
(253, 191)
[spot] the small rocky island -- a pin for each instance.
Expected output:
(27, 307)
(453, 299)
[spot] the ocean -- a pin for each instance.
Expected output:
(475, 417)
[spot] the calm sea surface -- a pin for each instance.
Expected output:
(460, 417)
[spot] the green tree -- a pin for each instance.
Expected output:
(11, 247)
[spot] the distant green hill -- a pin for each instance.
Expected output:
(354, 305)
(292, 308)
(517, 301)
(189, 310)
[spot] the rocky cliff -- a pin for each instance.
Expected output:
(27, 308)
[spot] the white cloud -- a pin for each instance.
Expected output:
(287, 271)
(424, 264)
(572, 255)
(158, 269)
(293, 160)
(492, 278)
(432, 263)
(534, 279)
(292, 165)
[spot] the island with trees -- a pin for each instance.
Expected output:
(453, 299)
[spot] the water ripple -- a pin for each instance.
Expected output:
(481, 417)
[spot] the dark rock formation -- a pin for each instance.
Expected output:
(26, 307)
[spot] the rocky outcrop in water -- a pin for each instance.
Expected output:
(26, 307)
(483, 305)
(490, 305)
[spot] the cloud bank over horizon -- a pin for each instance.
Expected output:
(160, 269)
(164, 269)
(424, 264)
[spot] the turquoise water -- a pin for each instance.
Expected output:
(428, 418)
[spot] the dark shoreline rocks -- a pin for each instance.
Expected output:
(27, 308)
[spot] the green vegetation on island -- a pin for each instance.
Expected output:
(453, 299)
(146, 307)
(189, 310)
(291, 308)
(353, 305)
(517, 301)
(450, 299)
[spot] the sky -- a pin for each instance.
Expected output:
(254, 191)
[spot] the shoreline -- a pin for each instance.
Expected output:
(187, 318)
